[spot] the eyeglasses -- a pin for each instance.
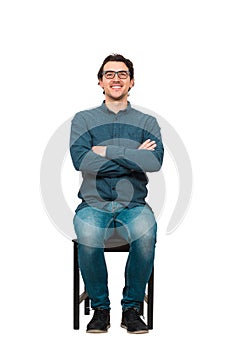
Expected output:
(110, 74)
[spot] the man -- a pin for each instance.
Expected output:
(114, 145)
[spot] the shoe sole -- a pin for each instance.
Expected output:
(96, 331)
(135, 332)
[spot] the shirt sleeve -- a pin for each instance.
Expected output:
(84, 159)
(140, 160)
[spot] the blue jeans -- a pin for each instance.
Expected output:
(93, 227)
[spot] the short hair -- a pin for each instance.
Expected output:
(118, 58)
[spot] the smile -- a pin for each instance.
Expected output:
(116, 87)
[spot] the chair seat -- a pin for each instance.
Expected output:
(116, 244)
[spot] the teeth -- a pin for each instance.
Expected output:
(116, 87)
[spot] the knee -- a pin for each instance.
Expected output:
(148, 239)
(143, 227)
(89, 235)
(145, 245)
(88, 256)
(146, 233)
(87, 251)
(90, 240)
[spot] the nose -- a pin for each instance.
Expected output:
(116, 78)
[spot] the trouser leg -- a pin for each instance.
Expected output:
(90, 227)
(140, 226)
(94, 273)
(138, 270)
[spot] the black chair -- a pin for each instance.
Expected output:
(114, 244)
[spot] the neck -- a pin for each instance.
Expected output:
(116, 106)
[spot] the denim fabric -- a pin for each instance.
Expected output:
(93, 226)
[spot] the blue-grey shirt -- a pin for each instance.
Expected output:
(121, 175)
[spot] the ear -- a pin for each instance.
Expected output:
(131, 83)
(100, 83)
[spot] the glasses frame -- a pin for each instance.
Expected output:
(116, 72)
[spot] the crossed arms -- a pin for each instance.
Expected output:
(114, 160)
(148, 144)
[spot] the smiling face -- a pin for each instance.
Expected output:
(116, 89)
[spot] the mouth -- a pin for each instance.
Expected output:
(116, 87)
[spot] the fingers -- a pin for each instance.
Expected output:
(100, 150)
(148, 145)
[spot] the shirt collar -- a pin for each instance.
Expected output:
(107, 110)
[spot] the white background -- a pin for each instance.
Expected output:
(50, 54)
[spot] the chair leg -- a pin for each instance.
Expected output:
(150, 301)
(87, 306)
(141, 310)
(76, 288)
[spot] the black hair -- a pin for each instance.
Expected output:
(118, 58)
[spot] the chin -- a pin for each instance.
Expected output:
(117, 98)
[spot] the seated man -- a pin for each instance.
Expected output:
(114, 145)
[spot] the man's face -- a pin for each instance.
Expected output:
(116, 88)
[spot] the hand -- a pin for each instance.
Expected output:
(148, 145)
(100, 150)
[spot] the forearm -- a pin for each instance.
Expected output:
(89, 162)
(137, 159)
(83, 157)
(147, 158)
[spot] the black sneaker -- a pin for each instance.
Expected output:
(100, 321)
(132, 321)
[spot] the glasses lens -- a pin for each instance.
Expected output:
(123, 74)
(109, 74)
